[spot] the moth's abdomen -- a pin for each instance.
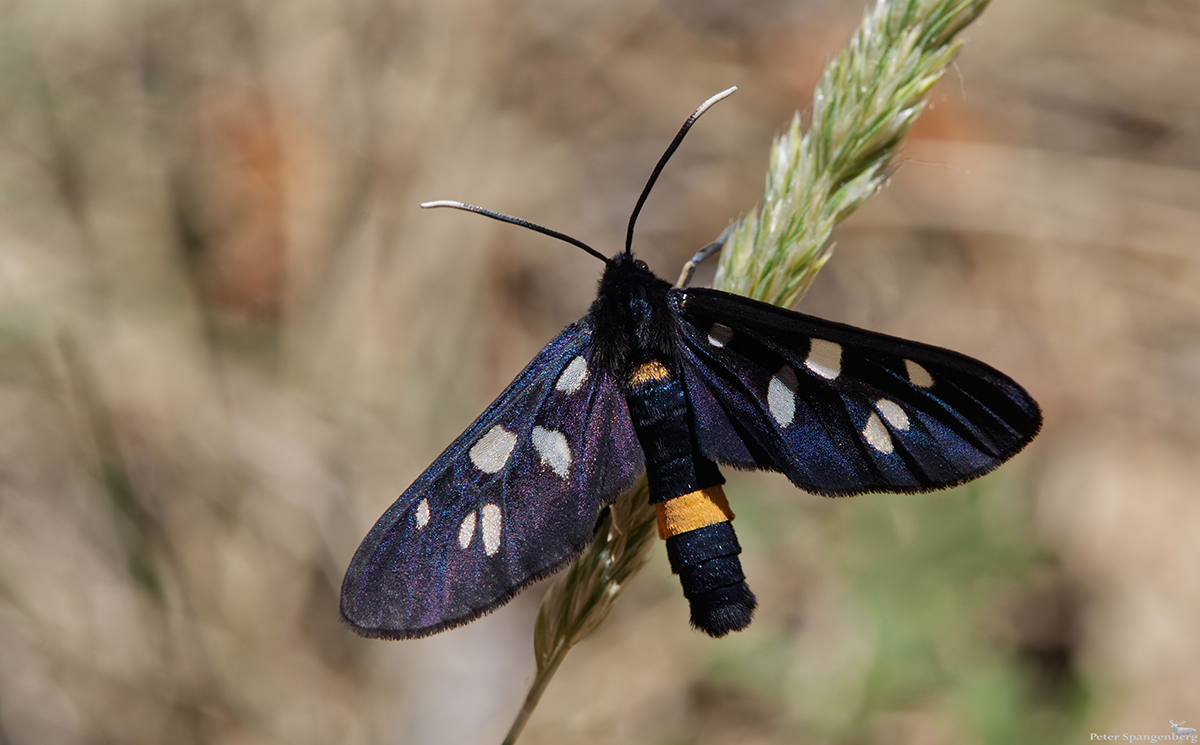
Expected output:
(703, 550)
(693, 515)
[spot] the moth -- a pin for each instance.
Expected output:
(672, 382)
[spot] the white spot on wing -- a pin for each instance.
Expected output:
(467, 530)
(552, 446)
(423, 514)
(572, 376)
(491, 452)
(877, 435)
(781, 395)
(824, 358)
(918, 375)
(489, 526)
(719, 335)
(892, 412)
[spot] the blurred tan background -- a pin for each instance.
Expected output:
(229, 338)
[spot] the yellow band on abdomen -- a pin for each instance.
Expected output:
(691, 511)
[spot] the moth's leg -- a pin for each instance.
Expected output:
(685, 276)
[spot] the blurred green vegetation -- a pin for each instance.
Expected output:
(958, 613)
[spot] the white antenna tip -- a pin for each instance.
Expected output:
(722, 95)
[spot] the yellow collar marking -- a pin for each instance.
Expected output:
(652, 370)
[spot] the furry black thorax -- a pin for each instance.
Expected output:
(631, 317)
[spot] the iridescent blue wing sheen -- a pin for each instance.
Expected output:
(512, 500)
(838, 409)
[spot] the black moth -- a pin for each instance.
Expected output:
(671, 382)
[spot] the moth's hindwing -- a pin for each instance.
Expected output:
(512, 500)
(838, 409)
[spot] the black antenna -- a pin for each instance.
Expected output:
(662, 162)
(516, 221)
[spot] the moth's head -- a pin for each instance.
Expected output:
(631, 274)
(626, 261)
(630, 290)
(630, 312)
